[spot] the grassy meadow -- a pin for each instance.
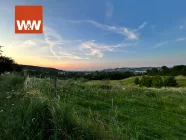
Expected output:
(107, 109)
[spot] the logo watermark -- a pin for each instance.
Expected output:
(28, 19)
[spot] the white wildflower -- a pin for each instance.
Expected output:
(8, 97)
(12, 104)
(33, 119)
(1, 111)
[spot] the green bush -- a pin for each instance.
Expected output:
(146, 81)
(157, 82)
(170, 82)
(136, 81)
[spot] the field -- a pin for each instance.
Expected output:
(90, 109)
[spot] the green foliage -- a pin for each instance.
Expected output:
(136, 81)
(146, 81)
(153, 71)
(170, 82)
(7, 64)
(1, 50)
(165, 71)
(157, 82)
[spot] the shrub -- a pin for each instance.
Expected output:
(136, 81)
(146, 81)
(157, 82)
(170, 82)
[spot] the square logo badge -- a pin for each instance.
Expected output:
(29, 19)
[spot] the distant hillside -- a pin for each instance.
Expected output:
(47, 69)
(130, 69)
(38, 68)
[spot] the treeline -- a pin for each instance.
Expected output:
(41, 73)
(97, 75)
(156, 81)
(165, 71)
(7, 64)
(107, 75)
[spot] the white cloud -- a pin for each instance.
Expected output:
(109, 10)
(71, 56)
(158, 45)
(52, 45)
(181, 27)
(131, 34)
(58, 44)
(93, 49)
(86, 48)
(96, 49)
(181, 39)
(29, 43)
(52, 38)
(142, 25)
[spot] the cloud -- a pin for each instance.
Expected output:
(52, 45)
(92, 48)
(181, 39)
(52, 38)
(29, 43)
(70, 56)
(131, 34)
(56, 43)
(142, 25)
(109, 10)
(181, 27)
(158, 45)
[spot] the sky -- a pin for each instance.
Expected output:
(98, 34)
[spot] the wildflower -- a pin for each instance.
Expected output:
(12, 104)
(1, 111)
(8, 97)
(33, 119)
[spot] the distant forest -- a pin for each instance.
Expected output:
(165, 71)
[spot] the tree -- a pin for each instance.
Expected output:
(153, 71)
(157, 82)
(177, 70)
(7, 64)
(170, 82)
(136, 81)
(146, 81)
(164, 70)
(0, 50)
(184, 71)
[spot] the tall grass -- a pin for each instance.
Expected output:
(85, 110)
